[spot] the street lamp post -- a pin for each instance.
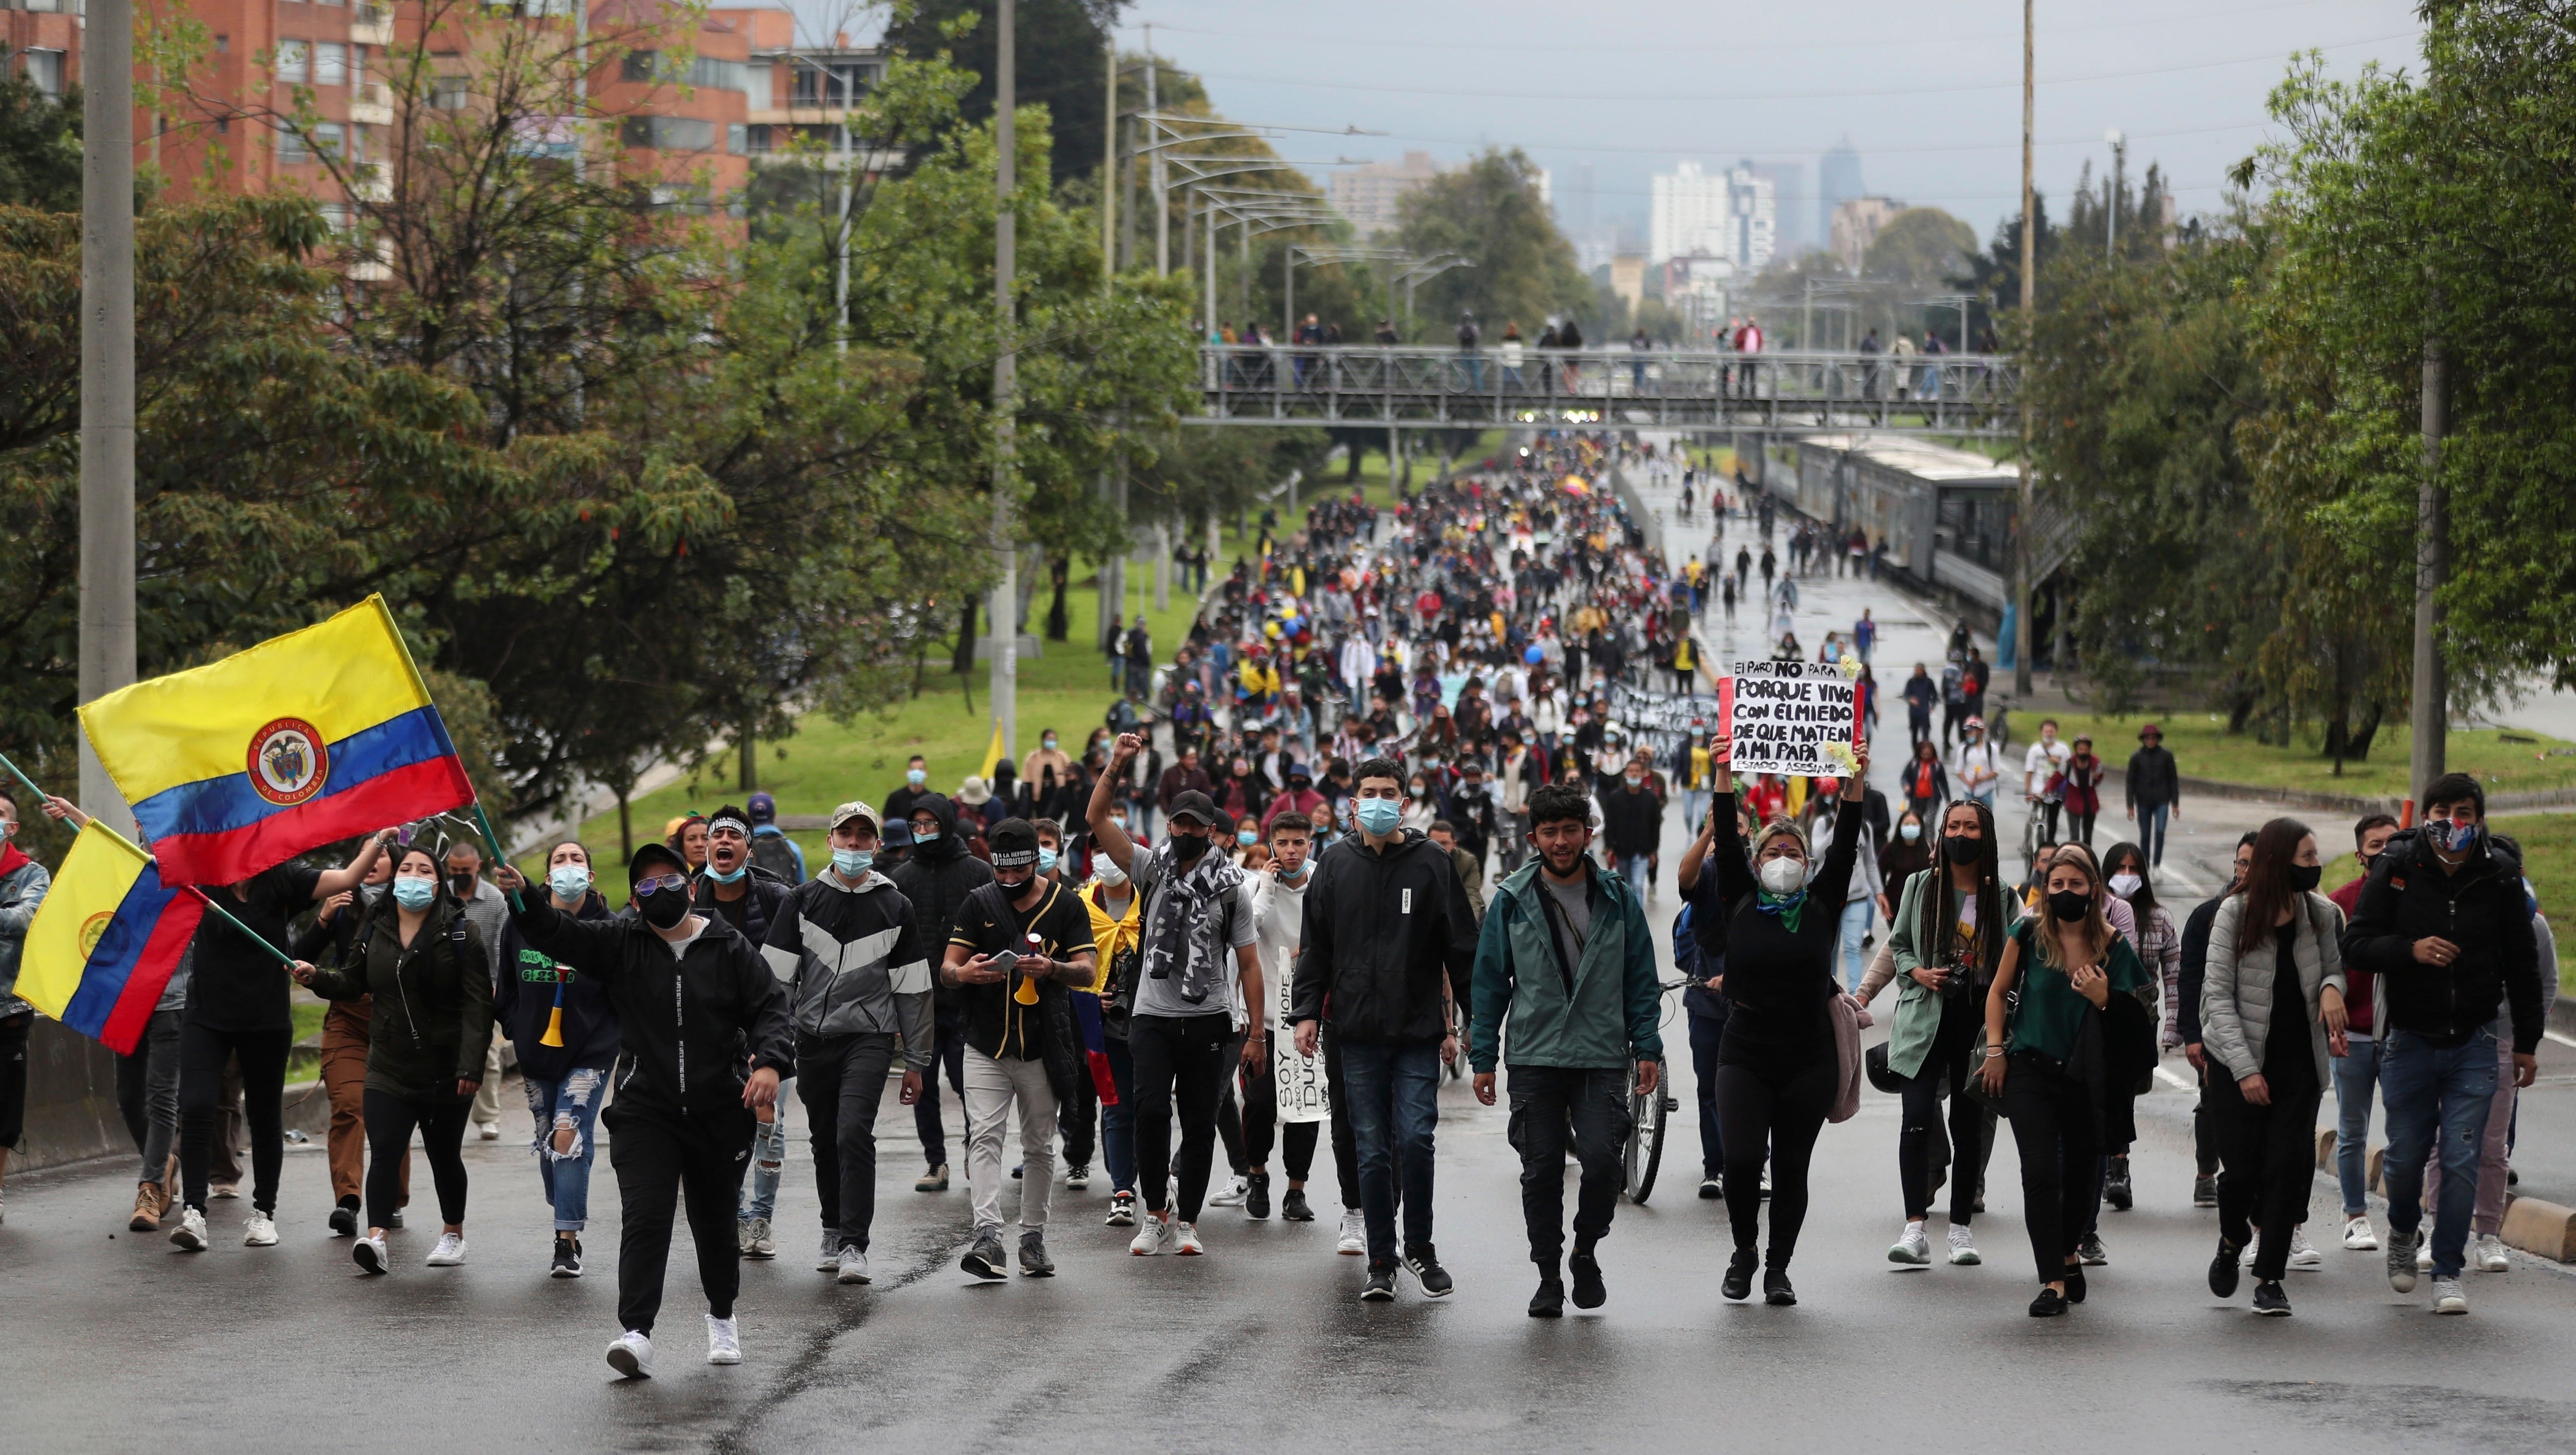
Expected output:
(2119, 166)
(2029, 300)
(1005, 610)
(107, 657)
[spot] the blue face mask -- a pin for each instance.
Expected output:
(915, 776)
(722, 878)
(415, 892)
(1377, 816)
(1046, 859)
(852, 862)
(922, 835)
(1246, 837)
(568, 881)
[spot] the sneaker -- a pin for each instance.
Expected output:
(2116, 1188)
(1256, 1197)
(2090, 1252)
(1122, 1210)
(2204, 1190)
(2358, 1237)
(1911, 1248)
(1766, 1190)
(2049, 1304)
(1424, 1263)
(2402, 1266)
(2302, 1255)
(2423, 1253)
(827, 1259)
(1153, 1230)
(984, 1258)
(259, 1230)
(370, 1256)
(1293, 1207)
(450, 1252)
(488, 1131)
(1739, 1274)
(344, 1220)
(724, 1341)
(756, 1240)
(190, 1235)
(2449, 1297)
(850, 1264)
(1711, 1189)
(934, 1180)
(147, 1209)
(1589, 1290)
(2270, 1301)
(1185, 1240)
(2489, 1254)
(1077, 1177)
(1963, 1247)
(2251, 1244)
(2224, 1270)
(220, 1191)
(567, 1260)
(632, 1355)
(1776, 1290)
(1034, 1262)
(1380, 1287)
(1354, 1235)
(1549, 1301)
(1019, 1172)
(397, 1223)
(1236, 1189)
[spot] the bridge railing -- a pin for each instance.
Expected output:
(1618, 387)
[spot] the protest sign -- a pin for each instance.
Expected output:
(1798, 718)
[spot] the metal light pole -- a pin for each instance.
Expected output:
(2119, 165)
(2029, 301)
(2431, 717)
(1005, 609)
(107, 381)
(1162, 197)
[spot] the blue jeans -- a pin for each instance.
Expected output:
(1395, 1103)
(1475, 370)
(1118, 1123)
(768, 1160)
(2356, 1074)
(1632, 867)
(1856, 918)
(2432, 1090)
(571, 1104)
(2151, 831)
(1694, 808)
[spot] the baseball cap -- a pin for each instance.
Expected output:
(850, 810)
(1192, 805)
(1014, 842)
(763, 808)
(651, 859)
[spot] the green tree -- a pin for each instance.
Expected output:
(1063, 54)
(1920, 247)
(40, 156)
(1489, 212)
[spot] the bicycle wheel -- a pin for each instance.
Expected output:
(1645, 1142)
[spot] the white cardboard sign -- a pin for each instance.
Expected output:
(1789, 717)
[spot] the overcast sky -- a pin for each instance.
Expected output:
(1928, 94)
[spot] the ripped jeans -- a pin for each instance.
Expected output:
(570, 1105)
(759, 1197)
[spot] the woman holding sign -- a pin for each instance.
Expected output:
(1777, 1073)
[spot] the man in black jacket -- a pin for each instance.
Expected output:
(1387, 947)
(1632, 820)
(2153, 787)
(937, 876)
(2445, 923)
(704, 1038)
(749, 899)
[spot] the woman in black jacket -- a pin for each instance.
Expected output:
(1777, 1073)
(430, 1027)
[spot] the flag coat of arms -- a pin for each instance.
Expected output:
(316, 736)
(105, 941)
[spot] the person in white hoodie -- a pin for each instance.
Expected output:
(1278, 917)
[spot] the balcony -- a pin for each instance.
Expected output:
(371, 103)
(371, 25)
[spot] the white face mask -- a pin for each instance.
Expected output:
(1110, 873)
(1783, 876)
(2125, 885)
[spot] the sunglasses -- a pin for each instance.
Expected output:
(661, 883)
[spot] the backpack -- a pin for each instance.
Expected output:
(774, 853)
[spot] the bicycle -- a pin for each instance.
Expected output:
(1647, 1112)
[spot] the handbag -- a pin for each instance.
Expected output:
(1874, 1065)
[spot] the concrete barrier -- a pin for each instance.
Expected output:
(71, 1102)
(2534, 1225)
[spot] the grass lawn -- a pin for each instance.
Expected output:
(2205, 749)
(2548, 856)
(828, 762)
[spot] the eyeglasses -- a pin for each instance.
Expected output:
(661, 884)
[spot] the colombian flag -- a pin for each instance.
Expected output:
(105, 940)
(303, 740)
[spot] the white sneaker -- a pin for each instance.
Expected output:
(2489, 1254)
(2245, 1259)
(724, 1345)
(1963, 1247)
(2449, 1297)
(2358, 1236)
(1153, 1230)
(489, 1131)
(2301, 1254)
(1911, 1248)
(450, 1252)
(1236, 1189)
(1354, 1238)
(259, 1231)
(1077, 1177)
(190, 1235)
(853, 1266)
(1185, 1240)
(370, 1255)
(2423, 1253)
(631, 1355)
(829, 1259)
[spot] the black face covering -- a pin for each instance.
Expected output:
(663, 910)
(463, 884)
(2305, 877)
(1960, 849)
(1186, 848)
(2069, 905)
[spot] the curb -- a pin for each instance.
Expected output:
(2531, 1224)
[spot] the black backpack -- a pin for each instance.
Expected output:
(773, 853)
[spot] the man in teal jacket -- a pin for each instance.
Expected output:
(1565, 971)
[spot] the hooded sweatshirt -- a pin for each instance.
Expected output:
(937, 879)
(524, 1002)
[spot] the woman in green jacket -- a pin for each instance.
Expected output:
(1946, 939)
(432, 1024)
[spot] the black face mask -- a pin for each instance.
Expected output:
(2069, 905)
(665, 909)
(2305, 877)
(1186, 848)
(463, 884)
(1960, 849)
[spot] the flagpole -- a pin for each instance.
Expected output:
(256, 938)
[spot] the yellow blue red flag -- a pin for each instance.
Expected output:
(303, 740)
(104, 942)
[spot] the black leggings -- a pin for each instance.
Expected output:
(202, 1052)
(2058, 1130)
(390, 1120)
(1956, 1049)
(1180, 1062)
(1759, 1113)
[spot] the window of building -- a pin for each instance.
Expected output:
(709, 74)
(669, 133)
(45, 71)
(448, 93)
(335, 215)
(291, 147)
(330, 63)
(640, 65)
(295, 62)
(330, 138)
(223, 45)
